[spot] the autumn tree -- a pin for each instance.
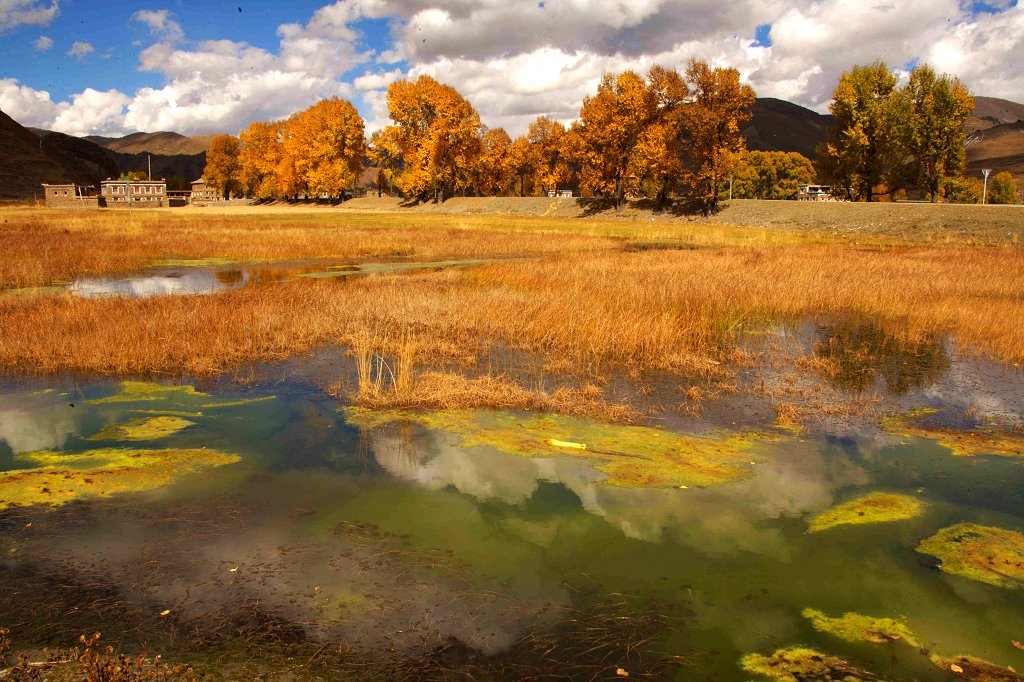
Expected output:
(326, 144)
(927, 118)
(547, 137)
(657, 158)
(259, 159)
(495, 175)
(222, 167)
(523, 162)
(609, 127)
(861, 146)
(437, 133)
(1002, 189)
(718, 105)
(384, 154)
(770, 175)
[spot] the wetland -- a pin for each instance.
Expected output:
(497, 449)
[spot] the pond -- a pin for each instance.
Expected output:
(276, 527)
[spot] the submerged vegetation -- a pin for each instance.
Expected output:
(990, 555)
(968, 442)
(800, 663)
(144, 428)
(631, 456)
(870, 508)
(57, 478)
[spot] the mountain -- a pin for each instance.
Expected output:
(186, 166)
(1000, 147)
(991, 111)
(28, 159)
(163, 143)
(781, 126)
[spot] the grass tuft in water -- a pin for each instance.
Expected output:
(855, 627)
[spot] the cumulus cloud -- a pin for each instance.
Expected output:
(80, 50)
(43, 43)
(26, 105)
(517, 59)
(160, 24)
(14, 13)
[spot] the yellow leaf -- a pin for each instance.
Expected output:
(165, 612)
(566, 444)
(955, 668)
(233, 570)
(621, 673)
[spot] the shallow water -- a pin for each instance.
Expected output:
(399, 538)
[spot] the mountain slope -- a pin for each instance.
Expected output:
(781, 126)
(163, 143)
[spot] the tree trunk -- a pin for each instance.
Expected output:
(619, 195)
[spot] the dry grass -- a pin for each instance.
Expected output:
(583, 305)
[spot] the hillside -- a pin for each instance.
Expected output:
(781, 126)
(28, 159)
(1000, 148)
(163, 143)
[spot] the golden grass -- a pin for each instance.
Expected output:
(678, 311)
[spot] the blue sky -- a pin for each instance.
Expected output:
(208, 67)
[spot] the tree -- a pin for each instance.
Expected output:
(657, 158)
(928, 115)
(384, 154)
(609, 128)
(857, 153)
(771, 175)
(962, 190)
(326, 144)
(547, 137)
(495, 175)
(222, 167)
(718, 105)
(259, 159)
(1002, 189)
(523, 162)
(437, 133)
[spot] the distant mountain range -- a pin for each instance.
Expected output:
(30, 157)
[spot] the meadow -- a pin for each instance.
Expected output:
(583, 300)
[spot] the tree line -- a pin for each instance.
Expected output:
(662, 136)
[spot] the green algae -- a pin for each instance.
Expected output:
(57, 478)
(871, 508)
(975, 669)
(801, 663)
(990, 555)
(980, 440)
(239, 402)
(630, 456)
(140, 391)
(143, 428)
(169, 413)
(855, 627)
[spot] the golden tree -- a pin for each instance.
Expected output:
(222, 167)
(437, 133)
(656, 161)
(718, 105)
(607, 132)
(495, 175)
(928, 115)
(861, 148)
(384, 154)
(523, 162)
(551, 167)
(259, 159)
(325, 145)
(771, 175)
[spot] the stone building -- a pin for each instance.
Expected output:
(202, 193)
(69, 196)
(133, 193)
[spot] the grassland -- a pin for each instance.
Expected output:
(586, 299)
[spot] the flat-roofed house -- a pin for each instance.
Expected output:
(203, 193)
(68, 195)
(126, 193)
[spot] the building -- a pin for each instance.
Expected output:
(815, 193)
(126, 193)
(69, 196)
(560, 193)
(202, 193)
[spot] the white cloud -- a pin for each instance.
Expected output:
(43, 43)
(80, 50)
(160, 24)
(26, 105)
(14, 13)
(92, 110)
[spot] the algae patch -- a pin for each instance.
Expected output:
(981, 440)
(800, 663)
(630, 456)
(990, 555)
(58, 478)
(871, 508)
(143, 428)
(854, 627)
(180, 395)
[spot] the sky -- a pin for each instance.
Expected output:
(88, 68)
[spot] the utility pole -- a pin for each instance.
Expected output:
(984, 191)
